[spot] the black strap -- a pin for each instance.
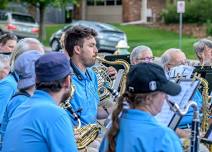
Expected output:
(15, 76)
(77, 72)
(22, 92)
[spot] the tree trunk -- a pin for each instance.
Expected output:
(41, 23)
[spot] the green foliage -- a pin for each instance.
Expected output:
(3, 4)
(196, 11)
(209, 28)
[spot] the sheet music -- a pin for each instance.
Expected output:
(188, 87)
(181, 71)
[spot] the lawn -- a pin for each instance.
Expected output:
(157, 40)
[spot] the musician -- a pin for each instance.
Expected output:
(203, 49)
(24, 66)
(172, 58)
(141, 53)
(40, 124)
(136, 129)
(8, 85)
(4, 65)
(80, 45)
(7, 43)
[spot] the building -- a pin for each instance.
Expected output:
(117, 11)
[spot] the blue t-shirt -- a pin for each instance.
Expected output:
(10, 108)
(8, 87)
(39, 125)
(140, 132)
(85, 99)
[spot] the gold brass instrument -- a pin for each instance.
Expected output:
(86, 134)
(126, 70)
(205, 105)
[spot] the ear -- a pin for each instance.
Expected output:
(149, 99)
(77, 49)
(67, 82)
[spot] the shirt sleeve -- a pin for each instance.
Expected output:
(61, 137)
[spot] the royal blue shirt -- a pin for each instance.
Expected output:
(85, 99)
(140, 132)
(187, 118)
(39, 125)
(11, 107)
(8, 87)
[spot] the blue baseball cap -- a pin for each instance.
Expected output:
(52, 66)
(150, 77)
(25, 68)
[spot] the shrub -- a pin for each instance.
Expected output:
(196, 11)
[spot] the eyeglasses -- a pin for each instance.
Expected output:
(146, 59)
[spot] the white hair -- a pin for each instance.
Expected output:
(166, 56)
(3, 60)
(26, 44)
(137, 51)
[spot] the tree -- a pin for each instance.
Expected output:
(41, 5)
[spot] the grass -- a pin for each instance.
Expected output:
(158, 40)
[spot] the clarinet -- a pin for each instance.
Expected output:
(195, 140)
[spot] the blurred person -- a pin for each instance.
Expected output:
(40, 123)
(26, 44)
(172, 58)
(8, 85)
(122, 48)
(135, 128)
(203, 49)
(25, 68)
(4, 65)
(80, 45)
(7, 43)
(141, 53)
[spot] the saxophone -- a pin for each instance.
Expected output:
(86, 134)
(205, 106)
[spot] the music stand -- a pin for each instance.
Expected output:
(167, 116)
(206, 73)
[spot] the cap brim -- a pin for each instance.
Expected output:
(25, 83)
(171, 88)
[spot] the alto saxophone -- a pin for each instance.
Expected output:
(86, 134)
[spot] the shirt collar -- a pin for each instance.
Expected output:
(80, 74)
(45, 96)
(139, 115)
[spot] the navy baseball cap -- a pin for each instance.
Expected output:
(150, 77)
(52, 66)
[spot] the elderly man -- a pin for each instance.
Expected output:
(8, 85)
(172, 58)
(203, 49)
(141, 53)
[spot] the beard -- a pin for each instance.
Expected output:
(65, 96)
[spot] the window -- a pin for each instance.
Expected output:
(103, 2)
(3, 16)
